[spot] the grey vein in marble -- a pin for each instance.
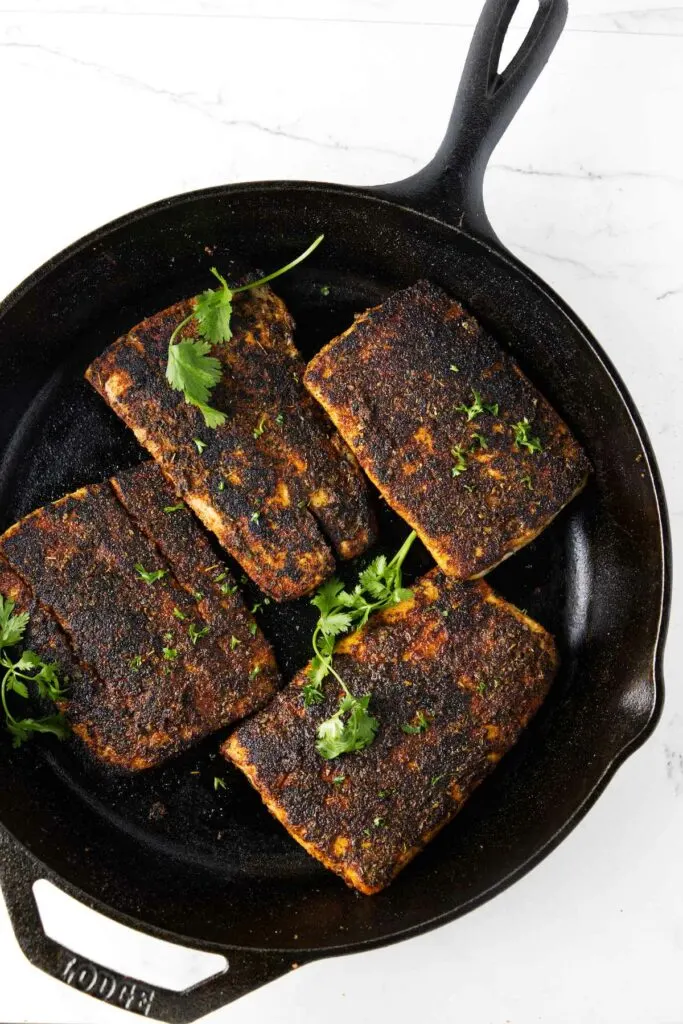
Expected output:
(204, 108)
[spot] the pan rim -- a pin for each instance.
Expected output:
(645, 724)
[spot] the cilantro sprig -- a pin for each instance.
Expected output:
(190, 367)
(29, 667)
(351, 727)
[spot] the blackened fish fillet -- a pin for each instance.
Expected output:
(152, 667)
(276, 474)
(457, 665)
(436, 412)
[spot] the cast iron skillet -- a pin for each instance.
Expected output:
(163, 851)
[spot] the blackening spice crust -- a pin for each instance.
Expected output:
(443, 446)
(72, 566)
(457, 657)
(272, 481)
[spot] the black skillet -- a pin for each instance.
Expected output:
(163, 852)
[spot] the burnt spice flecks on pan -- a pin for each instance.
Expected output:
(447, 426)
(127, 597)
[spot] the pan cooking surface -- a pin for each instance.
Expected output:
(69, 437)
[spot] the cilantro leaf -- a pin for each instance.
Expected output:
(478, 407)
(380, 585)
(522, 437)
(196, 633)
(12, 627)
(339, 735)
(28, 668)
(190, 368)
(193, 371)
(421, 724)
(212, 311)
(150, 577)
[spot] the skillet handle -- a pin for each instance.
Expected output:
(450, 187)
(246, 971)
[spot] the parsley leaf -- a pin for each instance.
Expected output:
(174, 508)
(218, 782)
(521, 430)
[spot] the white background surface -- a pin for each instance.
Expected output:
(109, 105)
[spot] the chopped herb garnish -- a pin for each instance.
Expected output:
(227, 588)
(351, 727)
(437, 778)
(454, 368)
(258, 605)
(201, 445)
(255, 671)
(150, 577)
(422, 724)
(477, 407)
(383, 794)
(324, 289)
(27, 668)
(221, 485)
(195, 633)
(253, 628)
(378, 822)
(260, 426)
(481, 686)
(198, 595)
(234, 642)
(521, 430)
(190, 368)
(338, 779)
(468, 487)
(175, 508)
(178, 614)
(459, 461)
(218, 782)
(527, 480)
(480, 439)
(279, 419)
(136, 662)
(170, 653)
(255, 516)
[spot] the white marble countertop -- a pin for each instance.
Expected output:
(587, 188)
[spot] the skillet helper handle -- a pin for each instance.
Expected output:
(450, 187)
(247, 970)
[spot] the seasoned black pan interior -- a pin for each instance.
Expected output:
(163, 846)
